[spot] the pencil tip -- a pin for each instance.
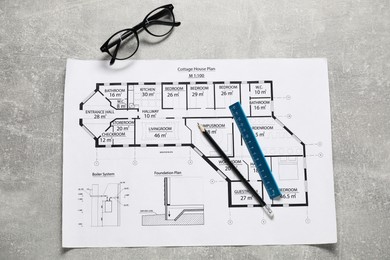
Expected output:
(268, 210)
(201, 127)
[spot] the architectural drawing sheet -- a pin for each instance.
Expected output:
(137, 171)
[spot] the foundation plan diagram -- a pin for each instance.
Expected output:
(139, 172)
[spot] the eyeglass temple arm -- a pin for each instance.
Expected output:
(159, 14)
(164, 23)
(115, 52)
(141, 25)
(154, 19)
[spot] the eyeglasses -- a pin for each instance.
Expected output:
(124, 44)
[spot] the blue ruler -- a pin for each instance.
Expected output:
(255, 151)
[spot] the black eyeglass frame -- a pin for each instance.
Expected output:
(142, 25)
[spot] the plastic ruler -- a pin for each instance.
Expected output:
(255, 151)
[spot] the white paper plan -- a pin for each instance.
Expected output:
(138, 172)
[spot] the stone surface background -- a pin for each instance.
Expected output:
(36, 38)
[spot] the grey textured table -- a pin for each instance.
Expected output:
(36, 37)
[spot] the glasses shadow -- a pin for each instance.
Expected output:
(119, 65)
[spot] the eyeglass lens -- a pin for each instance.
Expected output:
(159, 22)
(128, 44)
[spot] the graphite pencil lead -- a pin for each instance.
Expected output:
(201, 128)
(269, 211)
